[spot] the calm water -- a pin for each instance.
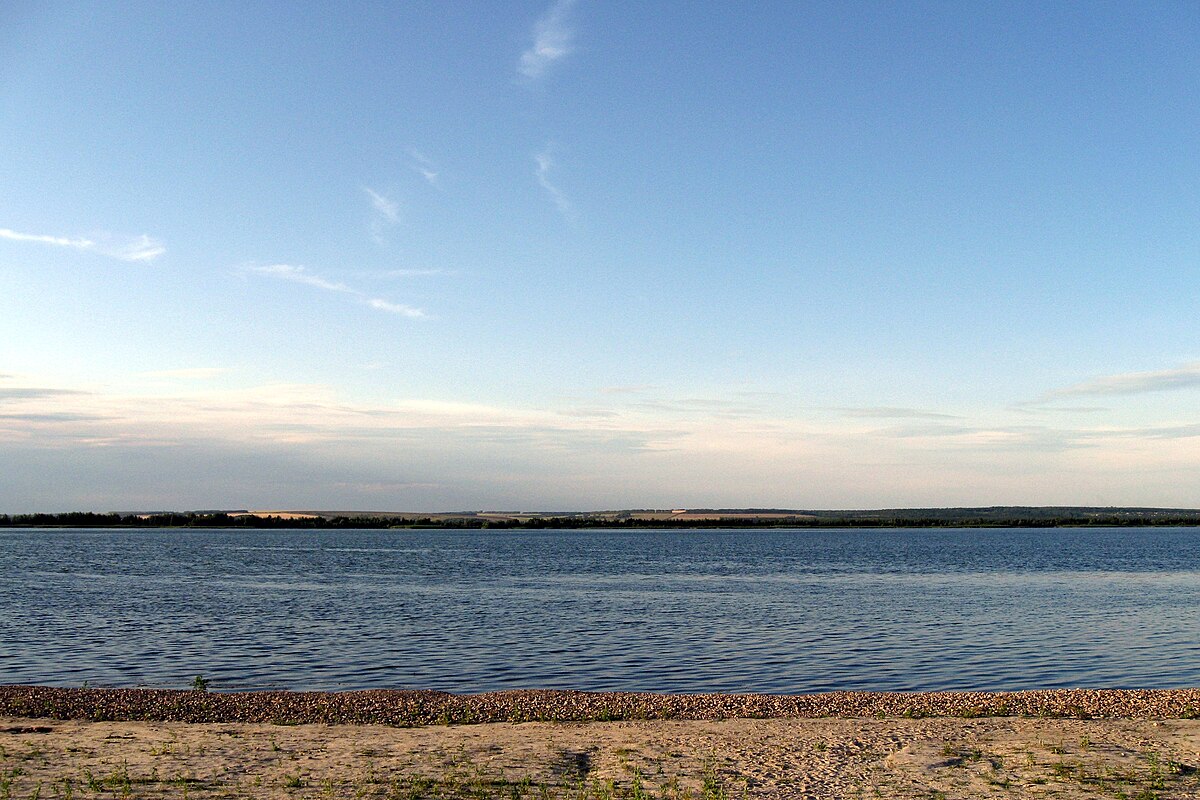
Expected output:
(671, 611)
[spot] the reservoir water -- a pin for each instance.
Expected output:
(779, 611)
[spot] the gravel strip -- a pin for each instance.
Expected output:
(408, 708)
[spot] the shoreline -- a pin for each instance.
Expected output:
(410, 708)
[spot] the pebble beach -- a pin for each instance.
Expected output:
(411, 708)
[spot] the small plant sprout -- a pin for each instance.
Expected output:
(200, 683)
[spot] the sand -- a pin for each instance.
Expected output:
(937, 757)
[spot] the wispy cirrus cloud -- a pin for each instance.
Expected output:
(384, 207)
(385, 213)
(545, 165)
(552, 41)
(141, 248)
(1129, 383)
(299, 274)
(425, 166)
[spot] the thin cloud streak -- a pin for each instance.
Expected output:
(1130, 383)
(53, 417)
(1040, 408)
(289, 272)
(58, 241)
(1156, 432)
(890, 412)
(383, 206)
(385, 213)
(395, 308)
(189, 373)
(139, 248)
(552, 40)
(33, 393)
(406, 273)
(298, 274)
(545, 164)
(426, 167)
(629, 389)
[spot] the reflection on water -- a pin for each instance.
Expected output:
(674, 611)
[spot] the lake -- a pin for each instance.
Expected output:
(780, 611)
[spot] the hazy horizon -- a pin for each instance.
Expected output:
(598, 255)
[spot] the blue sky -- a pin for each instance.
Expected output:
(433, 256)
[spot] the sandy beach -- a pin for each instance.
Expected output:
(1137, 755)
(809, 758)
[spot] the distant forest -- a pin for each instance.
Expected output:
(993, 517)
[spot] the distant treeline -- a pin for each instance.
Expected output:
(85, 519)
(995, 517)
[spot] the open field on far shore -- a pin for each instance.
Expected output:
(936, 757)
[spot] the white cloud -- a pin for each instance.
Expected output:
(177, 438)
(138, 248)
(552, 40)
(298, 274)
(545, 164)
(141, 248)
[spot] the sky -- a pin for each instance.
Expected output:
(598, 255)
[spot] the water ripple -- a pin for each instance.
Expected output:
(675, 611)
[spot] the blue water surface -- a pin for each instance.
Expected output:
(779, 611)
